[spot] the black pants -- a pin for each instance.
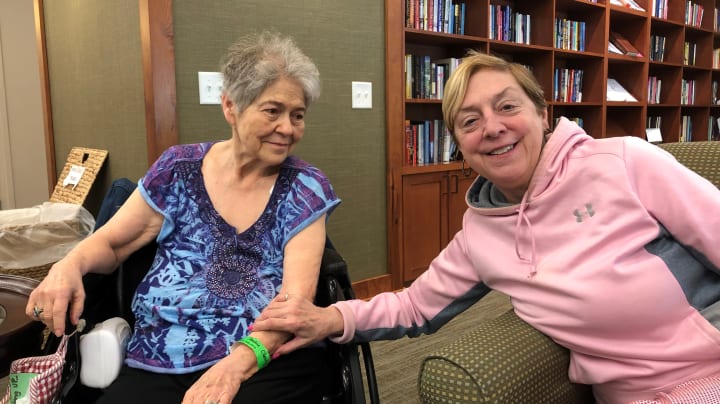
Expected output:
(297, 377)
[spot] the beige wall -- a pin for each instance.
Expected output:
(22, 142)
(94, 59)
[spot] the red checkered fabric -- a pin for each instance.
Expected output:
(700, 391)
(49, 368)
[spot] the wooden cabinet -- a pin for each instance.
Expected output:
(432, 208)
(422, 217)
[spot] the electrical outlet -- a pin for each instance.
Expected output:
(210, 86)
(362, 94)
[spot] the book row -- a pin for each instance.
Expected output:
(654, 86)
(506, 25)
(425, 78)
(686, 127)
(569, 34)
(436, 15)
(657, 48)
(687, 92)
(693, 13)
(568, 85)
(659, 8)
(428, 142)
(689, 53)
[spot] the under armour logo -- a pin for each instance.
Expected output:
(588, 211)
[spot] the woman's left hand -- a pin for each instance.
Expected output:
(219, 384)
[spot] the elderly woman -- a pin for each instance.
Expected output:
(596, 241)
(237, 222)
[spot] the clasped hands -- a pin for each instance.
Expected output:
(298, 316)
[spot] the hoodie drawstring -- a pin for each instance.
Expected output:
(522, 217)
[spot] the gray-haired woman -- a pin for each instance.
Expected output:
(237, 222)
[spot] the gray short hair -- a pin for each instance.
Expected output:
(256, 61)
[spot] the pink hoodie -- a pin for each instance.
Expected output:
(614, 253)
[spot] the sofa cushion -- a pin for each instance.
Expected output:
(701, 157)
(503, 360)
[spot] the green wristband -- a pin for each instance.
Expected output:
(261, 353)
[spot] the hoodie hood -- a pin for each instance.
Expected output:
(550, 171)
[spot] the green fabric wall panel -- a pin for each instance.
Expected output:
(95, 65)
(346, 40)
(96, 85)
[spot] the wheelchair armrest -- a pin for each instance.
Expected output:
(334, 282)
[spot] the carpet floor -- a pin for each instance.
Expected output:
(397, 362)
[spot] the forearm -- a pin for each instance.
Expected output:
(90, 255)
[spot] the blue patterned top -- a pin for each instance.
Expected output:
(208, 282)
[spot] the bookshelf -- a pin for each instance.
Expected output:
(679, 43)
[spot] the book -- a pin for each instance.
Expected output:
(624, 45)
(616, 92)
(631, 4)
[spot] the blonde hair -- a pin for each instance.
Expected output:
(456, 86)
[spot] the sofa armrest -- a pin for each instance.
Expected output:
(504, 360)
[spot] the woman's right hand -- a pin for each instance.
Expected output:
(299, 316)
(62, 287)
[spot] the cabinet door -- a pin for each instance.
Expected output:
(458, 182)
(424, 221)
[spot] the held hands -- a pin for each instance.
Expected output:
(299, 316)
(62, 287)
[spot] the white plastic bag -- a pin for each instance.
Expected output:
(42, 234)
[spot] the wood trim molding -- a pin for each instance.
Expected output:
(367, 288)
(7, 184)
(158, 57)
(39, 9)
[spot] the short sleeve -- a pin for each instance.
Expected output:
(310, 196)
(162, 184)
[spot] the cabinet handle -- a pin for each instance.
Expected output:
(453, 184)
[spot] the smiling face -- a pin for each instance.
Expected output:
(268, 129)
(500, 131)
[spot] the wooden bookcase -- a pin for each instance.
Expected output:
(425, 202)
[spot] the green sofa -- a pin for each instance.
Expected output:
(505, 360)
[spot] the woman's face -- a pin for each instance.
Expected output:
(500, 131)
(270, 126)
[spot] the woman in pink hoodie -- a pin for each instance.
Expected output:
(596, 241)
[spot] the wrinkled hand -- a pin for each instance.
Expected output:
(219, 384)
(299, 316)
(62, 287)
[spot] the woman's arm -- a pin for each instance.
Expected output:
(134, 225)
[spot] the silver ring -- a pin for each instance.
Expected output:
(212, 402)
(287, 296)
(37, 311)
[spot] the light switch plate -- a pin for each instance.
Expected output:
(210, 85)
(362, 94)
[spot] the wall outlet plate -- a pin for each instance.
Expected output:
(210, 86)
(362, 94)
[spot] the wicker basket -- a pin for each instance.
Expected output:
(37, 273)
(90, 161)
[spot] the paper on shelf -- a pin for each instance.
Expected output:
(616, 92)
(614, 49)
(653, 135)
